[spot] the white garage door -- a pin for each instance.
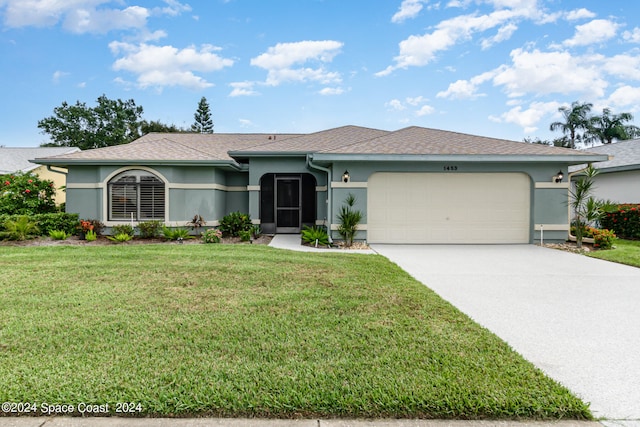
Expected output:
(448, 208)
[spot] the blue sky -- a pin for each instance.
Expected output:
(498, 68)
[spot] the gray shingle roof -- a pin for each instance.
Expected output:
(189, 147)
(14, 159)
(625, 154)
(423, 141)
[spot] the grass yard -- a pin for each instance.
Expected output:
(624, 252)
(224, 330)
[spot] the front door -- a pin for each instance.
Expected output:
(288, 207)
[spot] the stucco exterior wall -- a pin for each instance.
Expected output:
(59, 181)
(190, 190)
(549, 209)
(620, 187)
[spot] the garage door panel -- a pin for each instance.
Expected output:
(448, 208)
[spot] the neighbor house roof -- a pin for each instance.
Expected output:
(623, 155)
(349, 142)
(16, 159)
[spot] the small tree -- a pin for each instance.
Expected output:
(349, 219)
(586, 209)
(203, 122)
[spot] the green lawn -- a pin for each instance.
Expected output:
(226, 330)
(624, 252)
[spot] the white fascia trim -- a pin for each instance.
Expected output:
(340, 184)
(206, 187)
(165, 223)
(253, 188)
(551, 227)
(552, 185)
(85, 185)
(361, 227)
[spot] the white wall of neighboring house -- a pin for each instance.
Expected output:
(620, 187)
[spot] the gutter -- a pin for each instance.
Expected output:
(50, 169)
(310, 165)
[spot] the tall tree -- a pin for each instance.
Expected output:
(111, 122)
(607, 127)
(157, 126)
(203, 122)
(576, 120)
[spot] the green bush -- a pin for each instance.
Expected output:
(86, 225)
(120, 237)
(21, 228)
(150, 229)
(90, 236)
(235, 222)
(349, 219)
(603, 239)
(122, 229)
(245, 235)
(623, 220)
(176, 233)
(311, 234)
(48, 222)
(212, 235)
(58, 235)
(26, 194)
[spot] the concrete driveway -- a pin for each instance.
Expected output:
(574, 317)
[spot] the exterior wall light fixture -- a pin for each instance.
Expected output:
(558, 177)
(345, 176)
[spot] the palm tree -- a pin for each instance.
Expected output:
(607, 127)
(575, 119)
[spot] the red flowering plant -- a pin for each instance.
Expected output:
(26, 194)
(624, 220)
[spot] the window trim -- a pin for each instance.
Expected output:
(139, 172)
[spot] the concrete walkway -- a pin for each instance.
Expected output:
(293, 243)
(576, 318)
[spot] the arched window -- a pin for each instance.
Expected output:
(136, 192)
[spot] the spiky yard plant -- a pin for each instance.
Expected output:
(349, 219)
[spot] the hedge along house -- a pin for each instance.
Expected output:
(414, 185)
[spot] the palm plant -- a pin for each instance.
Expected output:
(607, 127)
(20, 229)
(349, 219)
(586, 209)
(575, 120)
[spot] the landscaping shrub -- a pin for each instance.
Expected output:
(176, 233)
(48, 222)
(122, 229)
(603, 239)
(235, 222)
(120, 237)
(311, 234)
(349, 219)
(21, 228)
(150, 229)
(26, 194)
(212, 235)
(58, 234)
(87, 225)
(623, 220)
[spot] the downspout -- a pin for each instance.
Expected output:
(328, 171)
(56, 171)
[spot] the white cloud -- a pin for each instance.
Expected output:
(596, 31)
(466, 89)
(632, 36)
(395, 104)
(160, 66)
(416, 100)
(527, 119)
(245, 123)
(504, 33)
(550, 72)
(622, 66)
(421, 50)
(625, 96)
(408, 9)
(577, 14)
(331, 91)
(279, 61)
(58, 75)
(83, 16)
(425, 110)
(242, 89)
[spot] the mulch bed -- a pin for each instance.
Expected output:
(102, 240)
